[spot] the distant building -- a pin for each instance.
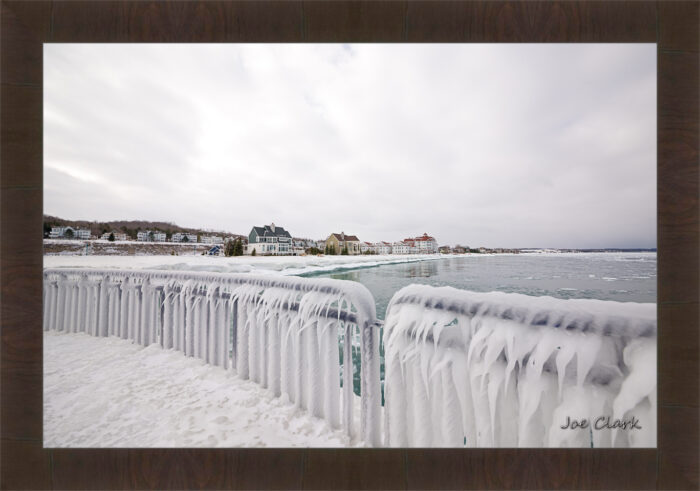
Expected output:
(211, 239)
(269, 240)
(341, 241)
(446, 249)
(117, 236)
(300, 246)
(382, 247)
(150, 236)
(424, 244)
(69, 233)
(400, 248)
(180, 237)
(367, 248)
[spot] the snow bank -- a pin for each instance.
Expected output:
(286, 265)
(505, 370)
(108, 392)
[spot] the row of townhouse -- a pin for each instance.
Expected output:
(424, 244)
(155, 236)
(277, 241)
(152, 236)
(180, 237)
(141, 236)
(273, 240)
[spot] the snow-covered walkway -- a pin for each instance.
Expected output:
(108, 392)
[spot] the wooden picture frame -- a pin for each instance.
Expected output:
(27, 25)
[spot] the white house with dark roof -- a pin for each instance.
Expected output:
(269, 240)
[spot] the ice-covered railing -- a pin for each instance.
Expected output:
(282, 332)
(497, 369)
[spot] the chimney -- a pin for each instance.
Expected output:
(272, 227)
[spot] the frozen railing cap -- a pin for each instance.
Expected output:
(361, 298)
(608, 318)
(503, 369)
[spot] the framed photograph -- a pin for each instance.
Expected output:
(378, 239)
(542, 333)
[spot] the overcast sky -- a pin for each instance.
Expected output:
(482, 145)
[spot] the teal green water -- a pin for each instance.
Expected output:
(624, 277)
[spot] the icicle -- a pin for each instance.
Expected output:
(513, 368)
(270, 323)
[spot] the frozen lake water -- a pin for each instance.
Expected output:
(623, 277)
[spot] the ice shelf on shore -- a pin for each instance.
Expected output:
(286, 265)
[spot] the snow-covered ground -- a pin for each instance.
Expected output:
(287, 265)
(108, 392)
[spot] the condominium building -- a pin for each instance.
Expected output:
(180, 237)
(150, 236)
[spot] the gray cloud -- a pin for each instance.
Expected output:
(495, 145)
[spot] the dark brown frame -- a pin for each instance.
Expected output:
(26, 25)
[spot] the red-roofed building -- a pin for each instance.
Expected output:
(424, 244)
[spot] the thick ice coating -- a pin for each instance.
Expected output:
(496, 369)
(281, 332)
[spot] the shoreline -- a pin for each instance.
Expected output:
(284, 265)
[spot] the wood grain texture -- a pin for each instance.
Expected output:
(182, 22)
(354, 469)
(179, 468)
(530, 469)
(677, 184)
(25, 25)
(268, 468)
(21, 132)
(679, 25)
(679, 338)
(531, 21)
(359, 21)
(678, 448)
(20, 314)
(24, 465)
(91, 469)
